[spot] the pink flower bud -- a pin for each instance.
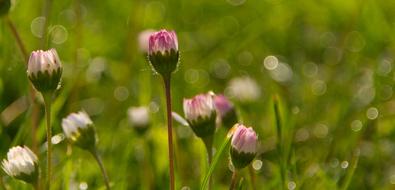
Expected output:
(244, 139)
(163, 41)
(200, 113)
(163, 52)
(44, 70)
(199, 107)
(243, 146)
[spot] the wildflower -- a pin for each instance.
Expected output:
(200, 113)
(139, 118)
(22, 164)
(163, 52)
(79, 129)
(243, 146)
(244, 89)
(45, 70)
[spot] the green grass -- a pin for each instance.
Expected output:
(340, 54)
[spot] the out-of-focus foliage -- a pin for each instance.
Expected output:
(330, 61)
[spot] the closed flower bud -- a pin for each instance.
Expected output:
(45, 70)
(201, 114)
(163, 52)
(22, 164)
(78, 129)
(243, 146)
(139, 118)
(225, 111)
(5, 6)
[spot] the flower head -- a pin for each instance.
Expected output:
(243, 146)
(21, 163)
(143, 40)
(139, 118)
(163, 41)
(44, 70)
(244, 89)
(200, 113)
(226, 111)
(78, 128)
(163, 52)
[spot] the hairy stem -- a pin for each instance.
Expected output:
(103, 171)
(169, 131)
(234, 181)
(252, 176)
(48, 102)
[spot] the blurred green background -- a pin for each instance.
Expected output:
(329, 61)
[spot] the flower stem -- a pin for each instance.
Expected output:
(169, 131)
(36, 185)
(208, 142)
(279, 144)
(252, 176)
(234, 181)
(2, 183)
(17, 37)
(103, 171)
(48, 101)
(45, 13)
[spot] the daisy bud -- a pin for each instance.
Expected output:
(78, 129)
(139, 118)
(45, 70)
(22, 164)
(200, 113)
(163, 52)
(225, 111)
(243, 146)
(5, 6)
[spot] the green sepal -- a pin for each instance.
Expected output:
(84, 138)
(240, 159)
(45, 82)
(29, 178)
(165, 63)
(204, 127)
(5, 6)
(141, 129)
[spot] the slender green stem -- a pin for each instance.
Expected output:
(234, 180)
(224, 146)
(45, 13)
(36, 185)
(95, 154)
(279, 142)
(208, 142)
(48, 101)
(17, 37)
(169, 131)
(252, 176)
(2, 185)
